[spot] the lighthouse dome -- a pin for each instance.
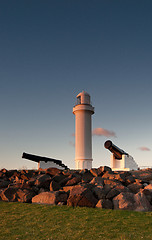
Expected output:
(83, 98)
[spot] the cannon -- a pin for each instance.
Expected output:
(120, 160)
(44, 161)
(115, 150)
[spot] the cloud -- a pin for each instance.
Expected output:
(103, 132)
(73, 134)
(144, 149)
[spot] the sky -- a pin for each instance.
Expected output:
(49, 52)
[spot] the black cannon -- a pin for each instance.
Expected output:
(114, 149)
(37, 159)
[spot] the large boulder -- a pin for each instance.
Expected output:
(124, 201)
(81, 196)
(51, 198)
(141, 203)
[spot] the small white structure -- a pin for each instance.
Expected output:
(45, 165)
(120, 160)
(83, 131)
(127, 163)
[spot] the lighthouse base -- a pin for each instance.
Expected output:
(83, 164)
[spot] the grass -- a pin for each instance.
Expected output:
(30, 221)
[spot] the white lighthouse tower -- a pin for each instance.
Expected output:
(83, 131)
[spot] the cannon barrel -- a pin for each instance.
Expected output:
(114, 149)
(36, 158)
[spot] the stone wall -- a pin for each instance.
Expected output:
(101, 188)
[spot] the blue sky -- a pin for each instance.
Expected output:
(52, 50)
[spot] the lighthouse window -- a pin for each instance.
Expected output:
(79, 100)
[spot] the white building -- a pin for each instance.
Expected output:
(83, 131)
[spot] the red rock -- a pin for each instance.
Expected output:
(95, 172)
(43, 181)
(50, 197)
(25, 195)
(4, 184)
(97, 181)
(104, 203)
(143, 174)
(129, 179)
(116, 190)
(124, 201)
(149, 187)
(104, 169)
(53, 171)
(73, 181)
(9, 194)
(141, 203)
(54, 186)
(87, 177)
(82, 197)
(135, 187)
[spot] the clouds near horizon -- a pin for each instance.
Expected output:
(144, 149)
(103, 132)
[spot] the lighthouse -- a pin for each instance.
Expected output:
(83, 131)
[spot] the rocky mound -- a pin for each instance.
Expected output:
(100, 188)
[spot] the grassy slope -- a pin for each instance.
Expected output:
(29, 221)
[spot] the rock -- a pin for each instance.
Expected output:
(143, 174)
(116, 190)
(104, 169)
(124, 201)
(73, 181)
(9, 194)
(97, 181)
(129, 179)
(4, 184)
(52, 171)
(149, 187)
(67, 188)
(43, 181)
(50, 197)
(135, 187)
(87, 177)
(96, 172)
(111, 183)
(148, 194)
(54, 186)
(109, 175)
(104, 203)
(60, 178)
(82, 197)
(25, 195)
(141, 203)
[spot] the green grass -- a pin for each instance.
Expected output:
(31, 221)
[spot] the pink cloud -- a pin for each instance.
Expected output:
(103, 132)
(144, 148)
